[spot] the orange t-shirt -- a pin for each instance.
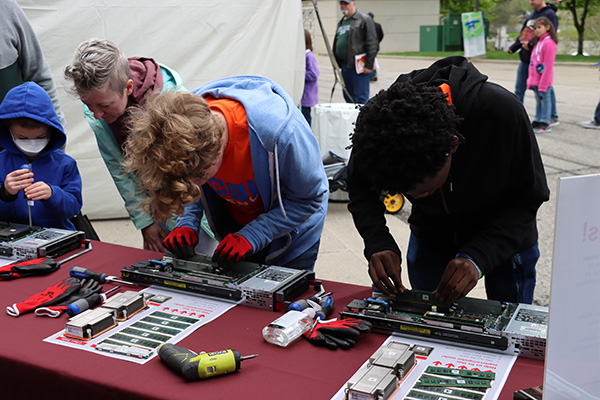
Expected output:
(234, 181)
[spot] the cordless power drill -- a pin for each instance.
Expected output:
(195, 366)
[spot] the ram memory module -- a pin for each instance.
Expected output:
(467, 394)
(461, 372)
(461, 382)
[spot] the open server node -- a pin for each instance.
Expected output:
(255, 285)
(24, 242)
(508, 328)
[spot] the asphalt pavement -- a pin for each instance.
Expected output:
(566, 151)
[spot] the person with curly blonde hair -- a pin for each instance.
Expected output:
(109, 85)
(239, 152)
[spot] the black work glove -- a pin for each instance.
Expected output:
(343, 333)
(20, 269)
(181, 242)
(88, 287)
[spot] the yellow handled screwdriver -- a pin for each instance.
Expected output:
(195, 366)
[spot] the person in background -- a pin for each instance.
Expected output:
(524, 45)
(355, 35)
(109, 84)
(475, 189)
(594, 123)
(379, 30)
(21, 57)
(32, 162)
(310, 97)
(239, 152)
(541, 73)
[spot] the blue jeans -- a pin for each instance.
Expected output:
(521, 82)
(597, 114)
(306, 113)
(357, 85)
(513, 280)
(543, 107)
(553, 113)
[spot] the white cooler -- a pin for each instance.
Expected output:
(332, 124)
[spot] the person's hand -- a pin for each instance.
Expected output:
(153, 237)
(233, 247)
(38, 191)
(541, 95)
(181, 242)
(384, 269)
(459, 278)
(17, 180)
(525, 44)
(367, 70)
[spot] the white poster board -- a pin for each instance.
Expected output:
(573, 347)
(473, 34)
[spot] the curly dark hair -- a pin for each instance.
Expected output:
(404, 135)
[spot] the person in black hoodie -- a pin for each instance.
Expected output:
(525, 44)
(475, 186)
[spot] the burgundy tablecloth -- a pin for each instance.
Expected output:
(31, 368)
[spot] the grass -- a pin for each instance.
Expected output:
(495, 55)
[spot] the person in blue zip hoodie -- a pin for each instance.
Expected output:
(238, 151)
(31, 135)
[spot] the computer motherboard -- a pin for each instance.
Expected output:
(24, 242)
(254, 285)
(501, 327)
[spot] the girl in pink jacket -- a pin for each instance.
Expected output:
(541, 72)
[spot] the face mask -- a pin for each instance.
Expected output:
(31, 147)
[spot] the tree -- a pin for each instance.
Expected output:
(585, 8)
(460, 6)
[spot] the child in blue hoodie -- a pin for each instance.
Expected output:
(31, 135)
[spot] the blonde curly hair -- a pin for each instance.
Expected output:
(172, 139)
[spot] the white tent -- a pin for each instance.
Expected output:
(202, 40)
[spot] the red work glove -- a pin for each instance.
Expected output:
(343, 333)
(20, 269)
(88, 288)
(181, 242)
(233, 246)
(49, 296)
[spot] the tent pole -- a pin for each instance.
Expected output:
(337, 72)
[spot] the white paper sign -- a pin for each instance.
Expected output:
(473, 34)
(573, 347)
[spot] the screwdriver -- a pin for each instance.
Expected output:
(303, 304)
(29, 202)
(86, 303)
(81, 272)
(195, 366)
(326, 309)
